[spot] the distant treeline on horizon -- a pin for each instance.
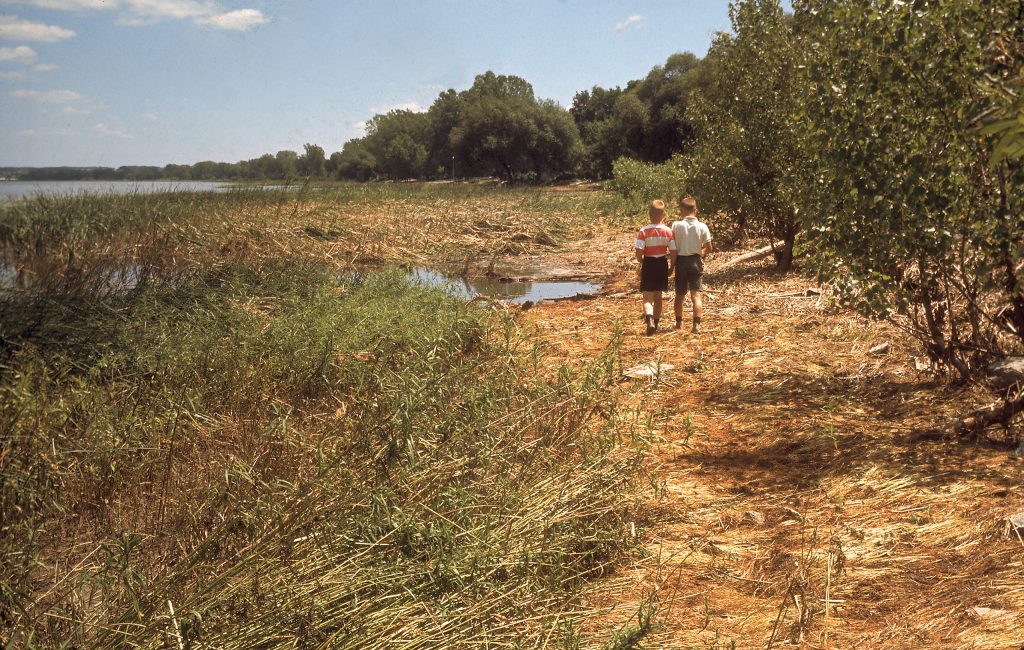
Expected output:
(497, 127)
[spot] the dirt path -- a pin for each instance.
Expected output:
(800, 501)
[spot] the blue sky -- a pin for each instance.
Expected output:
(129, 82)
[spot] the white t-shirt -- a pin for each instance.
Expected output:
(690, 235)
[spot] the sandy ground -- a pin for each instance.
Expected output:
(807, 493)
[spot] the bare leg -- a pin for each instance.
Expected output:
(698, 309)
(658, 297)
(650, 298)
(677, 305)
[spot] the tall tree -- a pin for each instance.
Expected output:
(312, 163)
(751, 161)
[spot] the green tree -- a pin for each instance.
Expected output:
(312, 163)
(750, 161)
(355, 162)
(917, 213)
(444, 115)
(398, 141)
(503, 130)
(288, 162)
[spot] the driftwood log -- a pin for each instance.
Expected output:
(1007, 377)
(764, 251)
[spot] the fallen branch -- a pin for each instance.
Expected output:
(998, 413)
(764, 251)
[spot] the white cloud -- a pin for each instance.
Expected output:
(67, 5)
(635, 22)
(21, 54)
(240, 20)
(16, 29)
(44, 67)
(109, 131)
(13, 74)
(71, 110)
(49, 96)
(404, 106)
(135, 13)
(32, 133)
(151, 116)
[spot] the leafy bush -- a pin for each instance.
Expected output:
(641, 182)
(913, 215)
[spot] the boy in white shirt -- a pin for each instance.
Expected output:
(693, 241)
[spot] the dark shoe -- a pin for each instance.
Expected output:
(657, 326)
(651, 327)
(679, 323)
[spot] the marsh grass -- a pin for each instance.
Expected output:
(240, 451)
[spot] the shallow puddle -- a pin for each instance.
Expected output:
(504, 289)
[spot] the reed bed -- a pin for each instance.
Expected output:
(213, 435)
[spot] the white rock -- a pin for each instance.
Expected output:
(648, 370)
(880, 349)
(1013, 526)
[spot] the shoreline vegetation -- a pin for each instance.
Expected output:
(249, 442)
(231, 419)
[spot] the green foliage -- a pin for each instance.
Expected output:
(918, 209)
(640, 182)
(312, 163)
(355, 162)
(750, 162)
(646, 121)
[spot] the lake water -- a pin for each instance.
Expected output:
(19, 189)
(497, 289)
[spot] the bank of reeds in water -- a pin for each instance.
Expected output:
(252, 454)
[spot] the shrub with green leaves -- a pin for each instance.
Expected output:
(912, 213)
(641, 182)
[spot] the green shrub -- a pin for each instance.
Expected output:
(640, 182)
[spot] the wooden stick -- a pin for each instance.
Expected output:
(752, 255)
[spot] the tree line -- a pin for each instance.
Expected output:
(497, 127)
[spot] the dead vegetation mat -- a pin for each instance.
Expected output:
(806, 493)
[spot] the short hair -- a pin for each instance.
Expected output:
(688, 203)
(657, 206)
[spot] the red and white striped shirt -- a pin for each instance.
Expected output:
(655, 240)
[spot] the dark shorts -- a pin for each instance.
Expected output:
(654, 274)
(689, 271)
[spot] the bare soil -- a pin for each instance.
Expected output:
(807, 493)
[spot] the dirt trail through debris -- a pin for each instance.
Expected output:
(804, 495)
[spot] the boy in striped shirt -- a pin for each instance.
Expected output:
(655, 250)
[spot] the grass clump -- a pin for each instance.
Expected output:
(255, 455)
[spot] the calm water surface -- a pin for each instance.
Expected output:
(19, 189)
(495, 289)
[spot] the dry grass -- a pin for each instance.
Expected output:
(807, 496)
